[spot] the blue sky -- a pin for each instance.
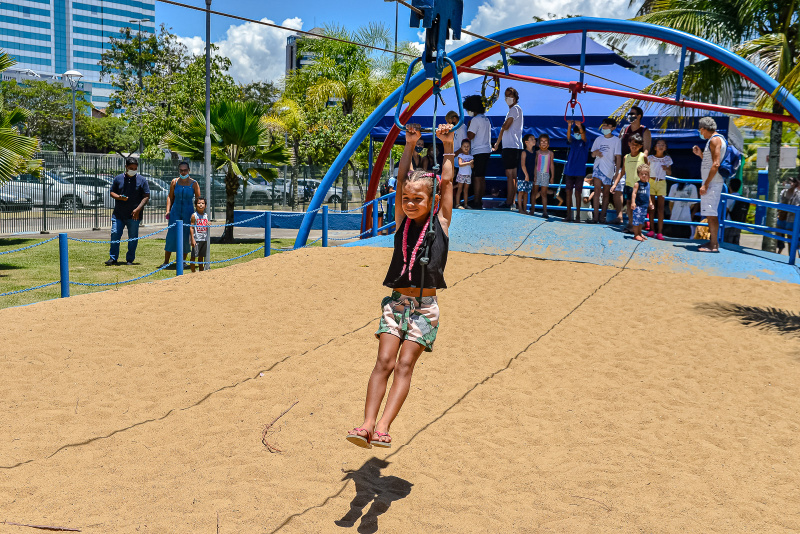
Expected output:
(258, 52)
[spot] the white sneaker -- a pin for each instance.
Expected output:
(461, 207)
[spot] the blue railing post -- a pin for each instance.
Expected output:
(795, 237)
(325, 225)
(63, 263)
(374, 218)
(179, 253)
(723, 211)
(267, 233)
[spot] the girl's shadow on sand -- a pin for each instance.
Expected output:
(373, 488)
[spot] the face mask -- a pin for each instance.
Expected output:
(418, 149)
(576, 136)
(700, 133)
(606, 131)
(510, 100)
(470, 114)
(130, 172)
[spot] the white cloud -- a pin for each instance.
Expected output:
(257, 52)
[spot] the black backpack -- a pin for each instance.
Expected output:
(384, 189)
(739, 211)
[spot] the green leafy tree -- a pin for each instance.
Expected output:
(109, 135)
(16, 150)
(239, 133)
(265, 93)
(765, 32)
(50, 106)
(167, 99)
(137, 55)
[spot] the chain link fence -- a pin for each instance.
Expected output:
(75, 194)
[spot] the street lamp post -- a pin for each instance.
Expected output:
(207, 142)
(139, 72)
(396, 20)
(73, 76)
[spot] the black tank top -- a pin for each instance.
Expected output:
(626, 137)
(434, 272)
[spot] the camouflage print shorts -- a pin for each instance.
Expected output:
(410, 318)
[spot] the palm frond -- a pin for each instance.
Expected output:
(6, 61)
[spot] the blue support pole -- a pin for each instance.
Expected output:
(325, 226)
(795, 237)
(63, 263)
(374, 217)
(680, 74)
(583, 53)
(268, 233)
(505, 59)
(179, 253)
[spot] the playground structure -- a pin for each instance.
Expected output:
(419, 88)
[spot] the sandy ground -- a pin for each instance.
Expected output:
(561, 397)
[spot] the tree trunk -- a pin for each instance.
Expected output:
(773, 161)
(345, 183)
(231, 188)
(295, 163)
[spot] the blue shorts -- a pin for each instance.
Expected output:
(597, 173)
(524, 186)
(639, 215)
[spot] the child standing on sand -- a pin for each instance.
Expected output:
(640, 200)
(199, 234)
(660, 167)
(411, 314)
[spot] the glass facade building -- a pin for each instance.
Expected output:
(51, 37)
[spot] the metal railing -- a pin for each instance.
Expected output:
(65, 200)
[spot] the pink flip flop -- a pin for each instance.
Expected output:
(361, 441)
(383, 444)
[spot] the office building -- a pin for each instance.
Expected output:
(295, 60)
(50, 37)
(654, 66)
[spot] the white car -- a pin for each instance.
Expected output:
(59, 192)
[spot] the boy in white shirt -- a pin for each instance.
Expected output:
(480, 135)
(511, 138)
(607, 151)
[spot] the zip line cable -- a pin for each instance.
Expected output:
(520, 50)
(272, 25)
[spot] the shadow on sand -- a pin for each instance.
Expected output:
(765, 318)
(372, 487)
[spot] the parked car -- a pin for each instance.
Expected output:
(101, 181)
(59, 192)
(334, 194)
(158, 192)
(12, 202)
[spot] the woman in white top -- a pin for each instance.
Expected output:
(480, 135)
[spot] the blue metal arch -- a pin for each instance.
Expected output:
(553, 27)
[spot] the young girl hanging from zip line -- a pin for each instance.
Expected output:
(410, 321)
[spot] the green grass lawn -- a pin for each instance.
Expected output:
(39, 265)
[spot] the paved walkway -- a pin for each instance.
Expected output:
(495, 232)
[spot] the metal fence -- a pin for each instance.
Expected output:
(75, 195)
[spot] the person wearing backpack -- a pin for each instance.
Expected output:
(713, 181)
(737, 212)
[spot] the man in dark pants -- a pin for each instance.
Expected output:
(131, 193)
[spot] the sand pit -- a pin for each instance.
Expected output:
(562, 397)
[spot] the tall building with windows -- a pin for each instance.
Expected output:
(50, 37)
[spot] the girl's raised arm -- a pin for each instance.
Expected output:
(445, 134)
(412, 135)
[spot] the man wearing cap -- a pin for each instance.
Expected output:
(131, 193)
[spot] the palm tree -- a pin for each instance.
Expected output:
(16, 151)
(289, 118)
(239, 133)
(344, 72)
(765, 32)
